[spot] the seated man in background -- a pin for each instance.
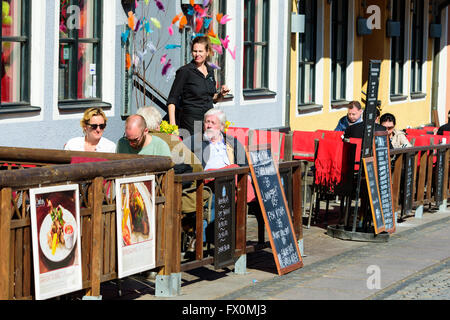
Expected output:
(137, 140)
(444, 127)
(354, 115)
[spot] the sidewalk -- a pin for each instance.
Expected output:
(333, 268)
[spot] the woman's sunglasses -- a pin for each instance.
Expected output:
(95, 126)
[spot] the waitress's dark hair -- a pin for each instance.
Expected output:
(387, 117)
(206, 42)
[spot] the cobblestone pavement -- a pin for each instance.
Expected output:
(433, 283)
(413, 265)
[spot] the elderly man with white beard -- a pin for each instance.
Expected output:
(216, 149)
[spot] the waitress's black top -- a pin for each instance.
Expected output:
(193, 93)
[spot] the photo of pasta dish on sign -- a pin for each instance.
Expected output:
(135, 216)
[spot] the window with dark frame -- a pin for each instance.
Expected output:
(339, 29)
(398, 50)
(307, 53)
(256, 46)
(80, 40)
(417, 45)
(15, 61)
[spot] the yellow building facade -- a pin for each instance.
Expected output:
(330, 60)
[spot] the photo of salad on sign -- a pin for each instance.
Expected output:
(55, 223)
(57, 227)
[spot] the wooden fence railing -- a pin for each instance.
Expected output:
(98, 213)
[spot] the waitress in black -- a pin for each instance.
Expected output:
(194, 87)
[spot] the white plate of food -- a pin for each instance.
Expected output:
(57, 236)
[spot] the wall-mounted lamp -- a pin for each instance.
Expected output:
(392, 28)
(297, 23)
(435, 30)
(362, 28)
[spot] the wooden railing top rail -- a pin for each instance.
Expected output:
(55, 156)
(82, 171)
(417, 149)
(186, 177)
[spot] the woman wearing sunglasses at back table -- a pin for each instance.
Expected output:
(93, 124)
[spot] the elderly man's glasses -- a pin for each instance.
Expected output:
(95, 126)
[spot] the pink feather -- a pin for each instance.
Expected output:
(233, 53)
(163, 59)
(166, 67)
(225, 19)
(225, 42)
(170, 28)
(217, 48)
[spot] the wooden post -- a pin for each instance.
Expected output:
(241, 214)
(446, 170)
(422, 179)
(178, 189)
(168, 220)
(396, 180)
(5, 233)
(297, 202)
(97, 236)
(199, 221)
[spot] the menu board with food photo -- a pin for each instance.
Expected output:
(55, 223)
(135, 205)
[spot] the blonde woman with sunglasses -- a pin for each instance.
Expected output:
(93, 124)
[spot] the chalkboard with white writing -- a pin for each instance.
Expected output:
(224, 225)
(408, 183)
(374, 195)
(275, 209)
(384, 179)
(439, 177)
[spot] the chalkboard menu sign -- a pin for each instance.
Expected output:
(384, 179)
(370, 112)
(374, 195)
(275, 210)
(224, 225)
(408, 183)
(439, 177)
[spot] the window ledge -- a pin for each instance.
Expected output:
(339, 103)
(258, 93)
(418, 95)
(398, 97)
(82, 104)
(308, 108)
(18, 108)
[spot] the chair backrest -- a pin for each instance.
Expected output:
(274, 138)
(446, 133)
(241, 134)
(303, 146)
(331, 133)
(417, 132)
(358, 142)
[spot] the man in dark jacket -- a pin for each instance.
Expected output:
(444, 127)
(354, 116)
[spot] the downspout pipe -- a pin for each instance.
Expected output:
(287, 116)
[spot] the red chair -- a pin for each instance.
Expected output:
(446, 133)
(331, 134)
(303, 146)
(431, 130)
(274, 138)
(416, 132)
(241, 134)
(358, 142)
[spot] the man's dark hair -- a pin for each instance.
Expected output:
(387, 117)
(354, 104)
